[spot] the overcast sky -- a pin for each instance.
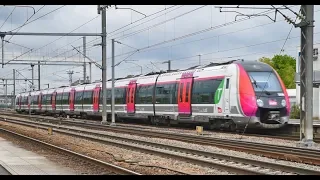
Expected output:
(178, 33)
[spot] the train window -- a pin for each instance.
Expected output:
(65, 98)
(227, 83)
(181, 91)
(87, 97)
(52, 98)
(203, 91)
(166, 93)
(100, 96)
(78, 97)
(58, 98)
(44, 99)
(109, 96)
(48, 99)
(187, 91)
(132, 95)
(144, 94)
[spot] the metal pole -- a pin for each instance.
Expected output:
(112, 90)
(90, 73)
(2, 39)
(84, 60)
(306, 77)
(30, 104)
(39, 79)
(6, 91)
(104, 65)
(32, 76)
(14, 85)
(70, 76)
(141, 70)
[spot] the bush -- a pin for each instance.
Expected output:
(295, 112)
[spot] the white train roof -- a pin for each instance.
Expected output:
(199, 71)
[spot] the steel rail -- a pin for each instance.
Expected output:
(251, 162)
(111, 167)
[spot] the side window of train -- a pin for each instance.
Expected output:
(203, 92)
(166, 93)
(227, 83)
(79, 97)
(109, 96)
(120, 95)
(187, 91)
(181, 91)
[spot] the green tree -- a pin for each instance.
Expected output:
(285, 66)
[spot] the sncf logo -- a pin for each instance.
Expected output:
(273, 102)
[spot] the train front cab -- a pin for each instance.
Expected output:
(263, 97)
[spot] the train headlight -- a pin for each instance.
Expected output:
(283, 102)
(259, 102)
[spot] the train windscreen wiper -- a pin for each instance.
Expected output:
(254, 81)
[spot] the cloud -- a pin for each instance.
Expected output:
(238, 39)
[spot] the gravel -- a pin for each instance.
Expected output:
(77, 167)
(136, 161)
(224, 135)
(205, 148)
(221, 135)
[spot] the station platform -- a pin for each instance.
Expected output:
(15, 160)
(297, 121)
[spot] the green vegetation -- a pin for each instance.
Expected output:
(295, 112)
(285, 66)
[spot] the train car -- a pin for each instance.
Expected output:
(223, 95)
(46, 101)
(18, 103)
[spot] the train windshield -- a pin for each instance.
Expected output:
(265, 81)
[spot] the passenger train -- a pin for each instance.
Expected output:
(227, 95)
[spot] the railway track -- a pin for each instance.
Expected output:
(143, 126)
(110, 167)
(231, 164)
(302, 155)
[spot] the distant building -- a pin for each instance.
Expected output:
(316, 80)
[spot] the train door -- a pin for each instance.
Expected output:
(40, 101)
(131, 90)
(53, 100)
(29, 101)
(96, 97)
(184, 94)
(19, 102)
(227, 95)
(71, 99)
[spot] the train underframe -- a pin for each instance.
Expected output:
(269, 121)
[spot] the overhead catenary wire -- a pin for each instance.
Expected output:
(136, 21)
(188, 35)
(155, 25)
(151, 49)
(132, 51)
(143, 19)
(289, 33)
(7, 17)
(38, 17)
(54, 40)
(18, 29)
